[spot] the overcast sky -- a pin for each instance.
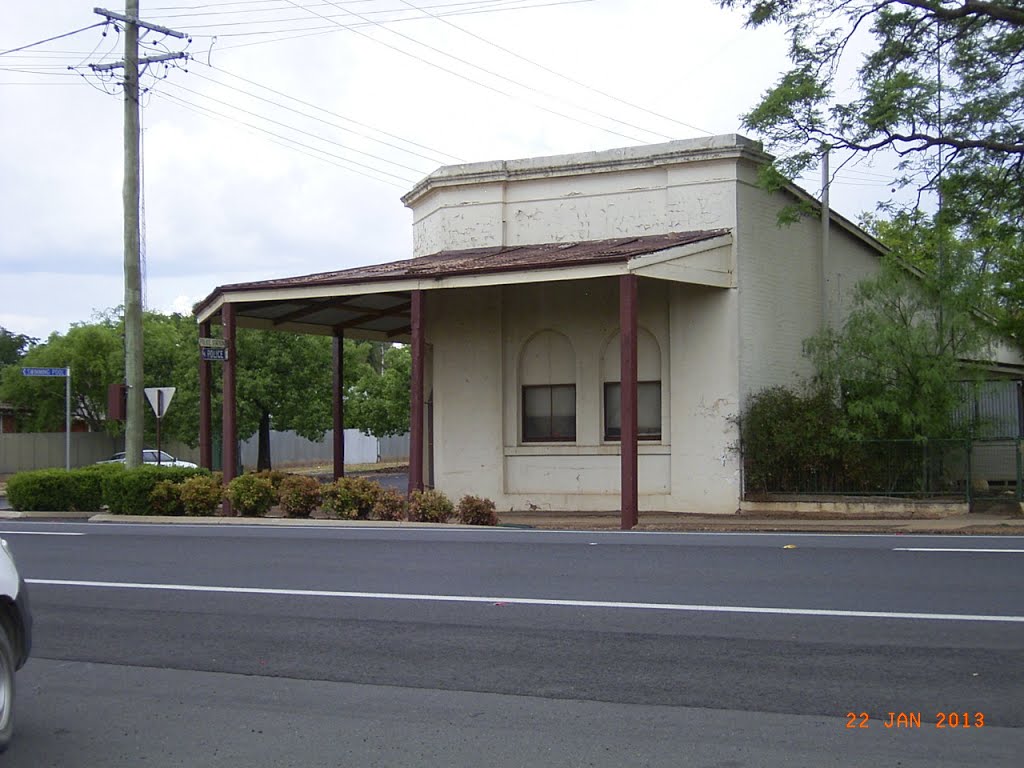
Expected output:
(245, 183)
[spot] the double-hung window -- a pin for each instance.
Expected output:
(549, 413)
(648, 407)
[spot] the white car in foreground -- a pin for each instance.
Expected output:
(149, 456)
(15, 637)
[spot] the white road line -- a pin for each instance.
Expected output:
(39, 533)
(534, 601)
(953, 549)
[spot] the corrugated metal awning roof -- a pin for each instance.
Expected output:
(382, 313)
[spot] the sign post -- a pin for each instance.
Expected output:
(64, 373)
(160, 399)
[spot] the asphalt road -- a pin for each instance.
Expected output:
(192, 645)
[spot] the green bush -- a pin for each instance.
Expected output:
(390, 505)
(276, 477)
(40, 490)
(58, 490)
(251, 495)
(351, 497)
(430, 506)
(201, 495)
(300, 495)
(165, 499)
(128, 492)
(474, 510)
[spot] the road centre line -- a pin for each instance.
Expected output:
(39, 533)
(534, 601)
(954, 549)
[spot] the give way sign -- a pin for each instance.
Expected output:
(160, 399)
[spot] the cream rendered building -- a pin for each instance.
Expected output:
(515, 295)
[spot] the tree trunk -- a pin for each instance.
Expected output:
(263, 451)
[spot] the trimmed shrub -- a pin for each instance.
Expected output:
(202, 494)
(40, 490)
(299, 495)
(351, 497)
(276, 477)
(165, 499)
(474, 510)
(251, 495)
(128, 492)
(430, 506)
(57, 490)
(390, 505)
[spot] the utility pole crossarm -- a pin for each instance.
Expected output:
(139, 23)
(142, 61)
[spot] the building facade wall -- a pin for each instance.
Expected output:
(560, 204)
(478, 337)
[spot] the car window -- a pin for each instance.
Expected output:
(149, 456)
(164, 456)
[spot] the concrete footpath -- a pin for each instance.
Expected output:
(966, 524)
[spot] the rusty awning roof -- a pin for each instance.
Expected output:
(278, 302)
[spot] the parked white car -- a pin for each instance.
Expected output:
(15, 637)
(149, 456)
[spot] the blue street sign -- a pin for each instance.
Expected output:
(62, 372)
(212, 353)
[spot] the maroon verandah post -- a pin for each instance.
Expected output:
(628, 392)
(416, 395)
(205, 407)
(229, 445)
(339, 403)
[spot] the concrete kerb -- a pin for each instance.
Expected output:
(961, 524)
(271, 521)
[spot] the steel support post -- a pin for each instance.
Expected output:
(628, 391)
(229, 444)
(416, 412)
(205, 406)
(338, 403)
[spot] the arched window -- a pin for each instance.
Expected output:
(547, 374)
(648, 388)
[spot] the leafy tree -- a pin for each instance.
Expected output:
(378, 402)
(13, 346)
(937, 83)
(901, 356)
(284, 380)
(898, 101)
(95, 355)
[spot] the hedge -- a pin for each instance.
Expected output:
(128, 492)
(60, 490)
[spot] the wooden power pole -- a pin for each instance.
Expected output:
(135, 412)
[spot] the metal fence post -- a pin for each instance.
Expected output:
(970, 477)
(924, 467)
(1018, 488)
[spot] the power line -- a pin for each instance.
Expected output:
(300, 130)
(328, 112)
(55, 37)
(459, 74)
(325, 30)
(502, 48)
(289, 141)
(283, 9)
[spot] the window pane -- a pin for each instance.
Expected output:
(536, 413)
(563, 412)
(649, 409)
(612, 411)
(549, 412)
